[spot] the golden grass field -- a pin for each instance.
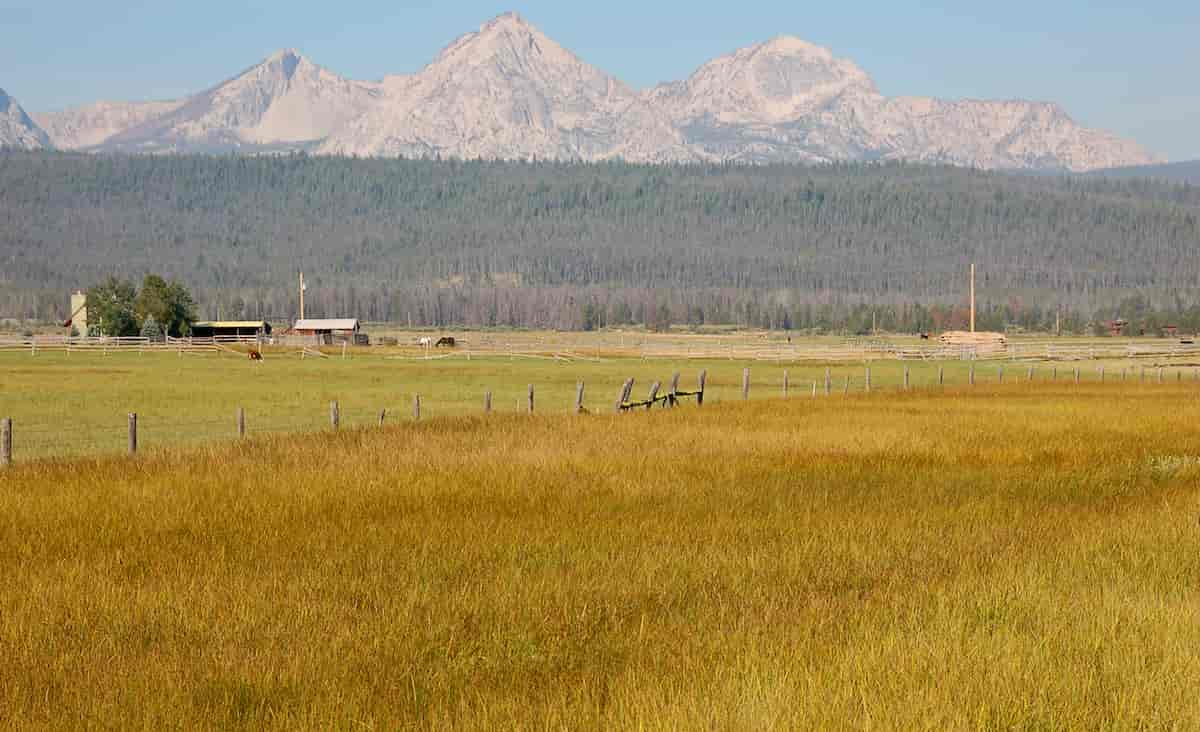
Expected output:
(1003, 557)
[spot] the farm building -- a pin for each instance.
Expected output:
(232, 329)
(331, 330)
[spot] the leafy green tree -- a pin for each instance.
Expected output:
(111, 305)
(151, 330)
(168, 303)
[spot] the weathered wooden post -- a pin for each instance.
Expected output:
(6, 431)
(1160, 374)
(867, 384)
(1000, 375)
(1076, 374)
(674, 400)
(906, 380)
(487, 402)
(417, 407)
(133, 437)
(530, 399)
(382, 417)
(828, 382)
(703, 381)
(814, 394)
(847, 392)
(971, 378)
(1143, 374)
(1029, 377)
(1101, 374)
(941, 375)
(785, 383)
(745, 384)
(335, 415)
(579, 398)
(1054, 373)
(241, 422)
(623, 396)
(654, 389)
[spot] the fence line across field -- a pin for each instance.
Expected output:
(242, 423)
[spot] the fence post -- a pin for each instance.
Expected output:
(579, 398)
(382, 417)
(487, 402)
(700, 396)
(785, 383)
(5, 442)
(1029, 378)
(624, 395)
(906, 378)
(654, 388)
(814, 396)
(133, 442)
(417, 407)
(828, 382)
(1076, 374)
(529, 399)
(1000, 375)
(972, 376)
(745, 384)
(241, 422)
(335, 415)
(868, 380)
(674, 389)
(1101, 374)
(1160, 374)
(941, 375)
(1143, 374)
(847, 391)
(1054, 374)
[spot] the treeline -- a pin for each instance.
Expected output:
(575, 246)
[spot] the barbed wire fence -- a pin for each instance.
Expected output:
(31, 439)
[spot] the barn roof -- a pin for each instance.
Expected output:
(327, 324)
(230, 324)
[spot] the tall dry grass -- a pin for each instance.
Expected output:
(1010, 558)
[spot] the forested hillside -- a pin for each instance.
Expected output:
(570, 245)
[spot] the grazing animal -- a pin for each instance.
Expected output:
(425, 342)
(924, 336)
(255, 356)
(446, 341)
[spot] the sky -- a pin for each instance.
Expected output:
(1128, 68)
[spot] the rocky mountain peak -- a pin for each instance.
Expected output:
(17, 129)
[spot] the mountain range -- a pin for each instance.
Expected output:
(509, 92)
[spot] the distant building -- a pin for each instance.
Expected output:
(1116, 328)
(331, 330)
(78, 321)
(232, 329)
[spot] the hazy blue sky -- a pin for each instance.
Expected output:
(1129, 68)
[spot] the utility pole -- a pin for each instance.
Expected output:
(302, 289)
(972, 298)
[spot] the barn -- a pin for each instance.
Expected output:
(328, 331)
(232, 329)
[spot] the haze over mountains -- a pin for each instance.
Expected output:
(509, 92)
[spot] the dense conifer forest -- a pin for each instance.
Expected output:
(577, 246)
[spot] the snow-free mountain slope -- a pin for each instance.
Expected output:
(285, 100)
(17, 129)
(80, 128)
(791, 100)
(508, 91)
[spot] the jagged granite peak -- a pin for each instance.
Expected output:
(507, 91)
(284, 100)
(790, 100)
(771, 83)
(17, 129)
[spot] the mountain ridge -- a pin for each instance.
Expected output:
(17, 129)
(508, 91)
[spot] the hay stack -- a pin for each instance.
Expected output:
(981, 340)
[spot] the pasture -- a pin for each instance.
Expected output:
(1017, 556)
(76, 404)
